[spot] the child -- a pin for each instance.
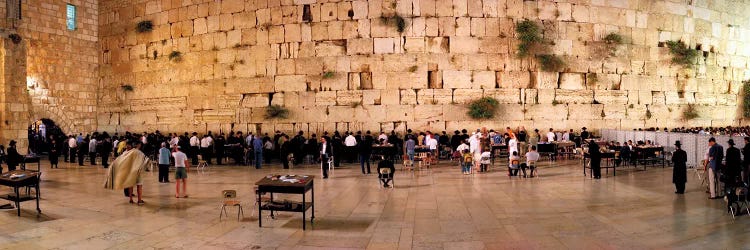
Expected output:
(467, 161)
(513, 165)
(485, 161)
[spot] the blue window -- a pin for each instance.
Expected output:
(71, 17)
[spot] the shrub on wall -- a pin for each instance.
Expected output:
(681, 54)
(396, 20)
(276, 112)
(175, 56)
(483, 108)
(127, 87)
(613, 38)
(529, 35)
(144, 26)
(550, 62)
(689, 113)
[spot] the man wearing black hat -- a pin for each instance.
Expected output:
(732, 170)
(679, 172)
(596, 160)
(13, 157)
(746, 162)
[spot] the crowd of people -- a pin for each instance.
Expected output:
(728, 130)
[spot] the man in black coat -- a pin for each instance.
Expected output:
(733, 166)
(679, 172)
(365, 149)
(596, 159)
(13, 157)
(325, 152)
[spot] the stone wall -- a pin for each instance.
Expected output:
(343, 65)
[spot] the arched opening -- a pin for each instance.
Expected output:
(41, 134)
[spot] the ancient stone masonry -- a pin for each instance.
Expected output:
(386, 64)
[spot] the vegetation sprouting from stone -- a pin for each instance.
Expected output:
(144, 26)
(550, 63)
(648, 114)
(328, 74)
(15, 38)
(127, 87)
(483, 108)
(529, 35)
(413, 68)
(613, 38)
(592, 79)
(396, 20)
(689, 113)
(276, 112)
(175, 56)
(681, 54)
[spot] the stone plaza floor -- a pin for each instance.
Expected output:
(433, 209)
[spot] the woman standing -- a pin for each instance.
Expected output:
(679, 172)
(53, 154)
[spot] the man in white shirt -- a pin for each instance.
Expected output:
(382, 137)
(181, 165)
(195, 144)
(566, 136)
(92, 151)
(551, 136)
(206, 148)
(72, 146)
(531, 158)
(351, 147)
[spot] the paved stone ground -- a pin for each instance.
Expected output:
(432, 209)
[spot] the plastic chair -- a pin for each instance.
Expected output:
(384, 176)
(407, 164)
(202, 164)
(230, 199)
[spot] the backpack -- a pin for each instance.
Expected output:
(467, 158)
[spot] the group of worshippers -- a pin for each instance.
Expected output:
(727, 167)
(10, 156)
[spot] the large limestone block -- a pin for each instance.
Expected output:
(232, 6)
(442, 96)
(254, 100)
(349, 97)
(673, 97)
(585, 111)
(545, 96)
(494, 45)
(483, 79)
(545, 80)
(438, 45)
(617, 97)
(572, 81)
(408, 97)
(362, 46)
(463, 96)
(513, 79)
(546, 112)
(325, 98)
(504, 96)
(383, 45)
(456, 79)
(390, 97)
(330, 48)
(614, 111)
(339, 81)
(371, 97)
(290, 83)
(425, 97)
(705, 98)
(428, 112)
(574, 96)
(414, 45)
(464, 45)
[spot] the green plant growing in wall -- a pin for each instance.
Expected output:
(175, 56)
(329, 74)
(529, 36)
(681, 54)
(555, 102)
(483, 108)
(413, 68)
(603, 114)
(648, 114)
(356, 104)
(15, 38)
(127, 88)
(144, 26)
(746, 99)
(689, 113)
(550, 63)
(396, 20)
(276, 112)
(613, 38)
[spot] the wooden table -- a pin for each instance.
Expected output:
(31, 159)
(605, 157)
(275, 185)
(31, 179)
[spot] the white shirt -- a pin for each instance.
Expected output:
(206, 142)
(323, 148)
(462, 147)
(144, 140)
(194, 141)
(72, 143)
(92, 146)
(474, 144)
(532, 156)
(179, 159)
(512, 146)
(432, 143)
(350, 141)
(175, 140)
(566, 136)
(551, 136)
(249, 140)
(383, 137)
(114, 147)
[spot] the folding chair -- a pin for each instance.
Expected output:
(230, 199)
(202, 164)
(407, 164)
(384, 175)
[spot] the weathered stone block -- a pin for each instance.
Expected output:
(464, 45)
(574, 96)
(383, 45)
(456, 79)
(463, 96)
(483, 79)
(325, 98)
(617, 97)
(290, 83)
(408, 97)
(505, 96)
(572, 81)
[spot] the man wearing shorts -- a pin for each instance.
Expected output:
(181, 165)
